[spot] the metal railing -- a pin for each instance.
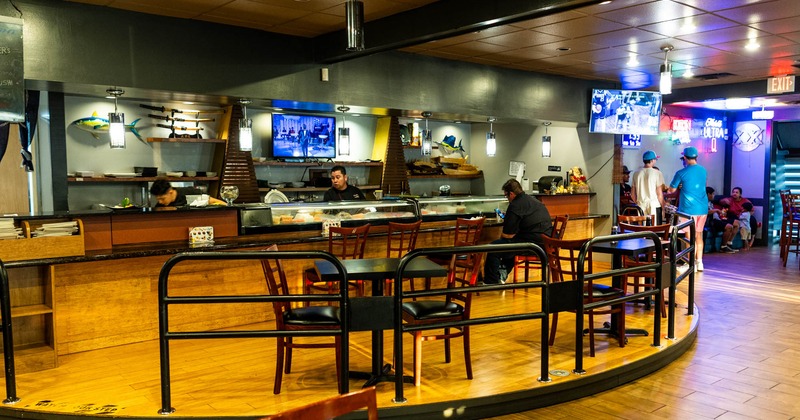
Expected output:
(400, 295)
(165, 301)
(8, 338)
(686, 254)
(656, 267)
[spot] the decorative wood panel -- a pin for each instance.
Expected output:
(395, 178)
(238, 168)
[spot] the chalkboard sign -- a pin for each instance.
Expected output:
(12, 82)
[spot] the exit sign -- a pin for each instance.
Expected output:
(781, 84)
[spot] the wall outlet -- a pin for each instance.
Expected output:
(554, 168)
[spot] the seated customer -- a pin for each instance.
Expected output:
(526, 220)
(718, 221)
(744, 225)
(169, 196)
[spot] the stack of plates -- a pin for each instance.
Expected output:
(8, 230)
(56, 229)
(275, 196)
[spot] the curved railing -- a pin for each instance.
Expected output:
(165, 300)
(8, 338)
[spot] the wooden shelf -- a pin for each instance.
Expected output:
(472, 176)
(30, 310)
(141, 179)
(182, 140)
(316, 189)
(315, 164)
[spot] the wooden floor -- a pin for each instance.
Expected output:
(733, 370)
(744, 364)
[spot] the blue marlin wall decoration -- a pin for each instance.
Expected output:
(95, 125)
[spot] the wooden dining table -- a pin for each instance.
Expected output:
(376, 312)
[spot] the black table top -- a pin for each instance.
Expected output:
(625, 247)
(379, 269)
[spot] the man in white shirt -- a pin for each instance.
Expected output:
(646, 189)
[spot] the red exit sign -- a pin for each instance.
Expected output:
(781, 84)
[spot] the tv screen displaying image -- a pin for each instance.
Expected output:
(303, 136)
(625, 112)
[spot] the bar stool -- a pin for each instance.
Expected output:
(790, 225)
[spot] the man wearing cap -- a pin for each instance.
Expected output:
(691, 180)
(646, 189)
(625, 190)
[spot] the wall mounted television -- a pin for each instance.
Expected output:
(618, 111)
(303, 136)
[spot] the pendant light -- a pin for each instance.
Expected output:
(354, 14)
(245, 129)
(546, 147)
(665, 84)
(491, 139)
(427, 143)
(344, 133)
(116, 121)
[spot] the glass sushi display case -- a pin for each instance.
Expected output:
(283, 217)
(447, 208)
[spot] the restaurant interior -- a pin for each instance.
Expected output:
(506, 89)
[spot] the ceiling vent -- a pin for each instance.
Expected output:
(712, 76)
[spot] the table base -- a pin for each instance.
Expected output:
(383, 376)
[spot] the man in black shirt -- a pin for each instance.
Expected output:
(339, 190)
(169, 196)
(526, 220)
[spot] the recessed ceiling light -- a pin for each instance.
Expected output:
(688, 73)
(603, 3)
(737, 103)
(632, 61)
(752, 45)
(563, 49)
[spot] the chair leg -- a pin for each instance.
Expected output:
(467, 355)
(337, 342)
(417, 357)
(276, 389)
(553, 329)
(591, 334)
(289, 347)
(447, 346)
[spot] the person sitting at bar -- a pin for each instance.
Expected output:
(169, 196)
(340, 190)
(525, 220)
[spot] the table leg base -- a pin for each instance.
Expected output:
(613, 331)
(383, 376)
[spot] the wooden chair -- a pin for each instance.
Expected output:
(400, 238)
(467, 232)
(462, 273)
(646, 279)
(297, 319)
(527, 262)
(642, 220)
(790, 225)
(345, 243)
(632, 210)
(334, 407)
(562, 259)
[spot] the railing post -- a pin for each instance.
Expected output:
(8, 338)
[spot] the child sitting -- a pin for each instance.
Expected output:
(744, 225)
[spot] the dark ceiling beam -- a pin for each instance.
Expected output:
(439, 20)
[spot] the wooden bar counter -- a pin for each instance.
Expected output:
(109, 295)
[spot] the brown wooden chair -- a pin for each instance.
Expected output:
(400, 238)
(297, 319)
(528, 262)
(790, 225)
(467, 232)
(646, 279)
(345, 243)
(642, 220)
(334, 407)
(462, 274)
(632, 210)
(562, 259)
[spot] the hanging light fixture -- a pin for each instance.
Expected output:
(491, 139)
(427, 142)
(344, 133)
(665, 85)
(116, 121)
(354, 13)
(245, 129)
(546, 149)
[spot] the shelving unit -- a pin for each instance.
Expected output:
(141, 179)
(471, 176)
(182, 140)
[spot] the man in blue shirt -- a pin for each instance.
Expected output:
(691, 180)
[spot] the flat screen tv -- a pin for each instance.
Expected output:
(303, 136)
(625, 112)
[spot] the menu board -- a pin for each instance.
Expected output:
(12, 83)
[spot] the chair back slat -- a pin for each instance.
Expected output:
(649, 219)
(468, 231)
(348, 242)
(276, 284)
(401, 238)
(559, 226)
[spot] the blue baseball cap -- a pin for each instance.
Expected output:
(650, 155)
(690, 152)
